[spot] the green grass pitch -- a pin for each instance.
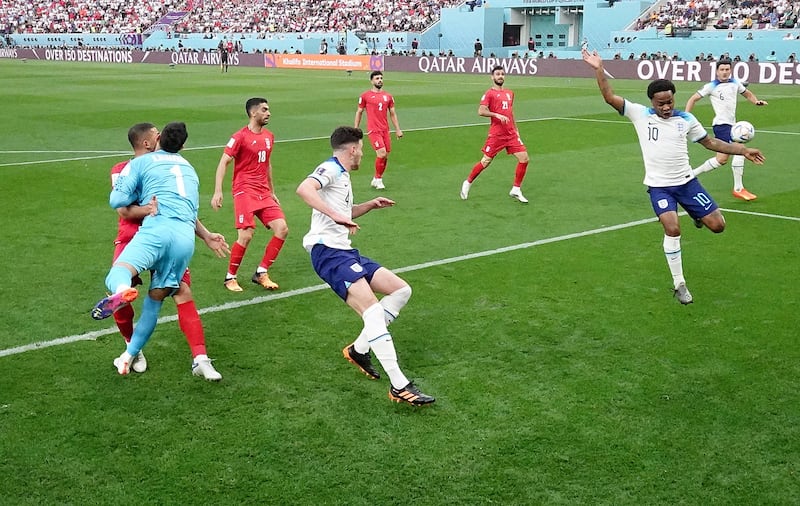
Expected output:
(564, 371)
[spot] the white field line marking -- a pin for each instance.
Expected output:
(764, 215)
(121, 154)
(91, 336)
(117, 154)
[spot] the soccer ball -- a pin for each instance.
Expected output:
(743, 132)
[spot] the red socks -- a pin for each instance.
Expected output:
(192, 327)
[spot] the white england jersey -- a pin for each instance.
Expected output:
(663, 143)
(337, 192)
(723, 99)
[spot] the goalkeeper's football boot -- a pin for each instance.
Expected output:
(361, 360)
(139, 363)
(411, 395)
(683, 294)
(107, 306)
(262, 278)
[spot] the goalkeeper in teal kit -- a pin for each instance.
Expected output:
(164, 243)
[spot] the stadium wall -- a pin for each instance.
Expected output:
(765, 73)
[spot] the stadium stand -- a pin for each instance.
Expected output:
(617, 29)
(220, 16)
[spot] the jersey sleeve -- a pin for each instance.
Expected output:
(706, 90)
(324, 174)
(232, 147)
(696, 130)
(125, 190)
(633, 111)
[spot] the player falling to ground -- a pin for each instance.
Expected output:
(143, 137)
(498, 105)
(355, 278)
(253, 193)
(663, 134)
(723, 92)
(163, 244)
(378, 103)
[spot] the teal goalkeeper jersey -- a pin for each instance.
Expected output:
(167, 176)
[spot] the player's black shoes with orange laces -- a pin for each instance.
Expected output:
(361, 360)
(411, 395)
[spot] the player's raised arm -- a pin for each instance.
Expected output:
(593, 60)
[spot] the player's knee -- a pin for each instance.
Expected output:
(672, 230)
(716, 224)
(281, 229)
(485, 161)
(403, 294)
(245, 236)
(184, 294)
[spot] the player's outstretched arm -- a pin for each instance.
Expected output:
(593, 60)
(733, 148)
(753, 99)
(365, 207)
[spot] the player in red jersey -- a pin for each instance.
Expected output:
(253, 195)
(144, 139)
(498, 104)
(377, 103)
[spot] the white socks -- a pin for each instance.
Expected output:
(394, 302)
(706, 166)
(672, 250)
(737, 165)
(380, 341)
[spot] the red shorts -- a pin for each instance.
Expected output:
(248, 207)
(380, 140)
(119, 246)
(494, 145)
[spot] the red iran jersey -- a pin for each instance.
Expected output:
(500, 102)
(126, 229)
(377, 104)
(251, 153)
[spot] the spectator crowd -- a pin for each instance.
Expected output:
(219, 16)
(733, 14)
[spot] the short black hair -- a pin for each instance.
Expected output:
(173, 137)
(497, 67)
(658, 86)
(253, 103)
(344, 135)
(724, 61)
(375, 73)
(137, 133)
